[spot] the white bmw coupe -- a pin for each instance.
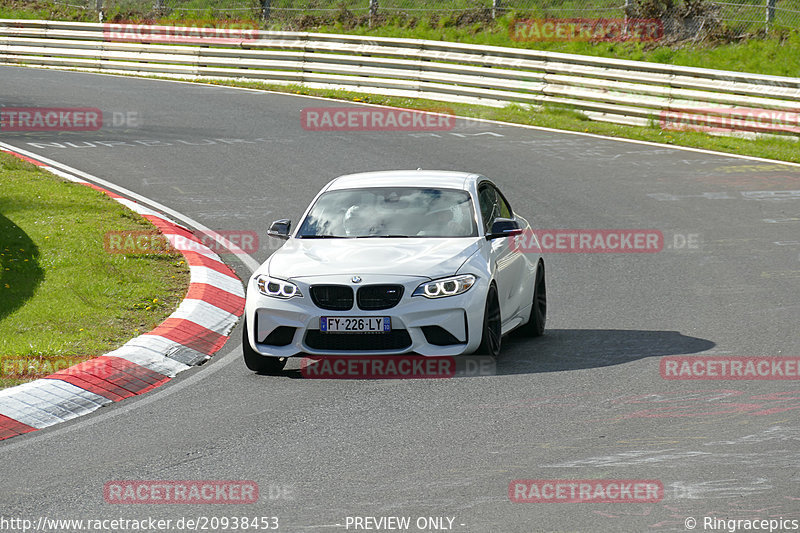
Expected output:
(386, 263)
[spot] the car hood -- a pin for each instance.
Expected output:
(426, 257)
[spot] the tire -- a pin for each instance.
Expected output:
(492, 337)
(262, 364)
(536, 323)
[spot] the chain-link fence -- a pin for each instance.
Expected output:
(680, 18)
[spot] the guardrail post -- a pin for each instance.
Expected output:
(373, 11)
(770, 14)
(266, 5)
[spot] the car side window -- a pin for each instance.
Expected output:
(503, 209)
(487, 198)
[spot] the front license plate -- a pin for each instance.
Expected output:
(355, 324)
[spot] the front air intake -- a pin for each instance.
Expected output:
(332, 297)
(377, 297)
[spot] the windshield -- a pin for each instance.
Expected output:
(390, 212)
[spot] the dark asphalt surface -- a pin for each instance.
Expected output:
(586, 401)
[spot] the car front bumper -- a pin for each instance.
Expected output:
(430, 327)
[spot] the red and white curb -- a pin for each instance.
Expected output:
(197, 329)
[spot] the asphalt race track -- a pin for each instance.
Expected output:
(586, 401)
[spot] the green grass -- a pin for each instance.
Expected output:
(63, 298)
(778, 55)
(24, 9)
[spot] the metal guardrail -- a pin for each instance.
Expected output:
(620, 91)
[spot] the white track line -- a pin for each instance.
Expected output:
(486, 120)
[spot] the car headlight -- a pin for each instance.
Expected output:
(441, 288)
(277, 288)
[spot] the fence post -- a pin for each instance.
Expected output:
(98, 6)
(770, 14)
(266, 5)
(629, 7)
(373, 11)
(495, 8)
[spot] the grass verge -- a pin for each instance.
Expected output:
(560, 118)
(63, 298)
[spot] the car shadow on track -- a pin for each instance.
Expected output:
(562, 350)
(575, 349)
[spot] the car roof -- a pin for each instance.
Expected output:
(405, 178)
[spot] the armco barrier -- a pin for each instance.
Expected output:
(621, 91)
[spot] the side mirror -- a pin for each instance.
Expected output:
(504, 227)
(280, 228)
